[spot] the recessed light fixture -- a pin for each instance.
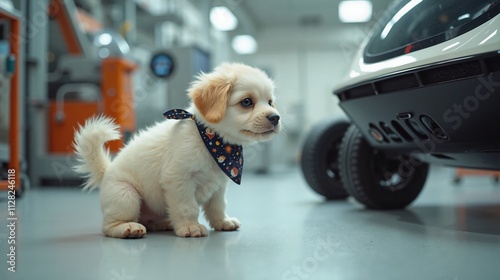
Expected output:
(223, 19)
(244, 44)
(355, 11)
(105, 39)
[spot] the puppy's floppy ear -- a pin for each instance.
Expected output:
(211, 98)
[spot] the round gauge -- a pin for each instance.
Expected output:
(162, 65)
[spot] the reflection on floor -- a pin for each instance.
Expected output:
(451, 232)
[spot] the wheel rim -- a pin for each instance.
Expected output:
(388, 171)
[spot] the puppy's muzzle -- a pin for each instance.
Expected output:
(274, 119)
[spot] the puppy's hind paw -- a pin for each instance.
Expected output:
(227, 224)
(191, 230)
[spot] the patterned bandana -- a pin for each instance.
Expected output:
(228, 157)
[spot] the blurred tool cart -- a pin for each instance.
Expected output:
(463, 172)
(87, 74)
(12, 177)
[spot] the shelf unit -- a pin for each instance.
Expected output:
(15, 38)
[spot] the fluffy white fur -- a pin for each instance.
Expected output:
(165, 174)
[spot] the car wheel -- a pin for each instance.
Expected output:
(319, 160)
(379, 179)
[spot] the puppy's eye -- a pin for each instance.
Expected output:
(247, 102)
(270, 103)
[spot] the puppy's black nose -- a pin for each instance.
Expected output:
(274, 119)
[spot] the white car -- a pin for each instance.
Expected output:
(423, 88)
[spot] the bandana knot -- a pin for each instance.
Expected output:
(228, 157)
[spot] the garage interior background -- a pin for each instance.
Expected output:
(302, 45)
(81, 57)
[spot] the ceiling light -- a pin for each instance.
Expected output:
(105, 39)
(223, 19)
(355, 11)
(244, 44)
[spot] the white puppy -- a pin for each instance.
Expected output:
(162, 177)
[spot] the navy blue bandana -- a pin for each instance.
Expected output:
(228, 157)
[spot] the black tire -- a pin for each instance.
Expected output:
(378, 179)
(319, 160)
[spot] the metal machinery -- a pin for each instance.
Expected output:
(10, 97)
(88, 74)
(189, 62)
(77, 69)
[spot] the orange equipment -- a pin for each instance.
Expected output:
(115, 99)
(58, 12)
(461, 172)
(117, 102)
(14, 129)
(118, 97)
(61, 132)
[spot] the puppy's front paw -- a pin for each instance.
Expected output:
(125, 230)
(191, 230)
(226, 224)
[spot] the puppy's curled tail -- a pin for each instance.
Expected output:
(92, 158)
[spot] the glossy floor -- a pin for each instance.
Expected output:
(288, 232)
